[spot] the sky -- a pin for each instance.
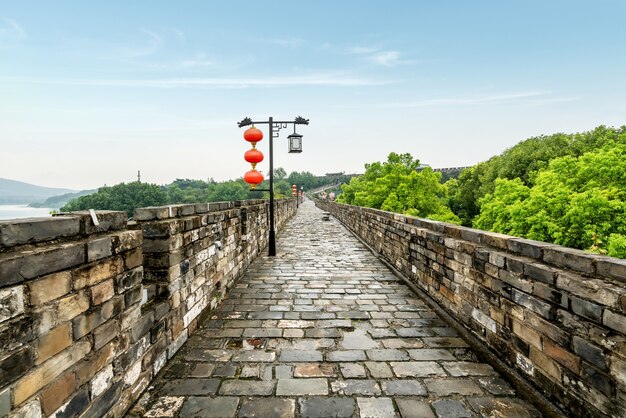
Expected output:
(92, 92)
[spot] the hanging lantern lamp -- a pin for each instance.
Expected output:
(253, 156)
(253, 135)
(253, 178)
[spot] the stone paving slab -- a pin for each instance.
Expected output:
(325, 330)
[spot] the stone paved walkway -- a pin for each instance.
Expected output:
(325, 330)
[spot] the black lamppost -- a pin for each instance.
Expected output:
(295, 145)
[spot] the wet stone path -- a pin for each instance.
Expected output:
(325, 330)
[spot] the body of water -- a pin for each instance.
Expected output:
(22, 211)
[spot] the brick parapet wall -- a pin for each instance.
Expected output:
(555, 314)
(89, 314)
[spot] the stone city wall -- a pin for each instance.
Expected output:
(89, 314)
(555, 314)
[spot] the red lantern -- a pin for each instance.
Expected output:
(253, 156)
(253, 135)
(253, 178)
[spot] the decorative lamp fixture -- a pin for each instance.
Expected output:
(295, 141)
(253, 178)
(253, 156)
(294, 190)
(253, 135)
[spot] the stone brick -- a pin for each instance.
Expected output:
(302, 387)
(545, 363)
(410, 408)
(599, 291)
(49, 288)
(93, 274)
(98, 249)
(540, 272)
(133, 258)
(55, 395)
(589, 352)
(562, 356)
(71, 306)
(31, 230)
(196, 406)
(532, 303)
(614, 321)
(54, 342)
(267, 408)
(87, 368)
(75, 406)
(100, 406)
(376, 407)
(587, 309)
(527, 334)
(86, 323)
(527, 247)
(52, 259)
(48, 371)
(611, 267)
(30, 410)
(5, 402)
(568, 257)
(15, 364)
(101, 381)
(327, 407)
(10, 266)
(102, 292)
(11, 302)
(105, 333)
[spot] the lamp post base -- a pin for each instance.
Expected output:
(272, 244)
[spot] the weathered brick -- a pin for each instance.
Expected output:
(105, 333)
(126, 241)
(56, 394)
(15, 364)
(562, 356)
(95, 273)
(102, 292)
(48, 371)
(98, 249)
(54, 342)
(86, 323)
(527, 247)
(536, 305)
(568, 257)
(545, 363)
(540, 272)
(87, 368)
(527, 334)
(10, 265)
(51, 260)
(587, 309)
(11, 302)
(611, 267)
(49, 288)
(75, 406)
(105, 402)
(71, 306)
(133, 258)
(31, 230)
(589, 352)
(614, 321)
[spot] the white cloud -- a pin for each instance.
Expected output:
(200, 60)
(10, 32)
(314, 79)
(380, 57)
(291, 42)
(536, 97)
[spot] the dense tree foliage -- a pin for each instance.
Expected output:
(396, 185)
(129, 196)
(123, 196)
(523, 161)
(578, 202)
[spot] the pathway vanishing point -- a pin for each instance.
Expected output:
(324, 329)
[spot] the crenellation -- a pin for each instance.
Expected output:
(555, 314)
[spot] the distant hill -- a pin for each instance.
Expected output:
(56, 202)
(17, 192)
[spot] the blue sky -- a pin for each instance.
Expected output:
(92, 92)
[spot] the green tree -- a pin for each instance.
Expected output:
(123, 196)
(578, 202)
(397, 186)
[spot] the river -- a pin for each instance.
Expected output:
(22, 211)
